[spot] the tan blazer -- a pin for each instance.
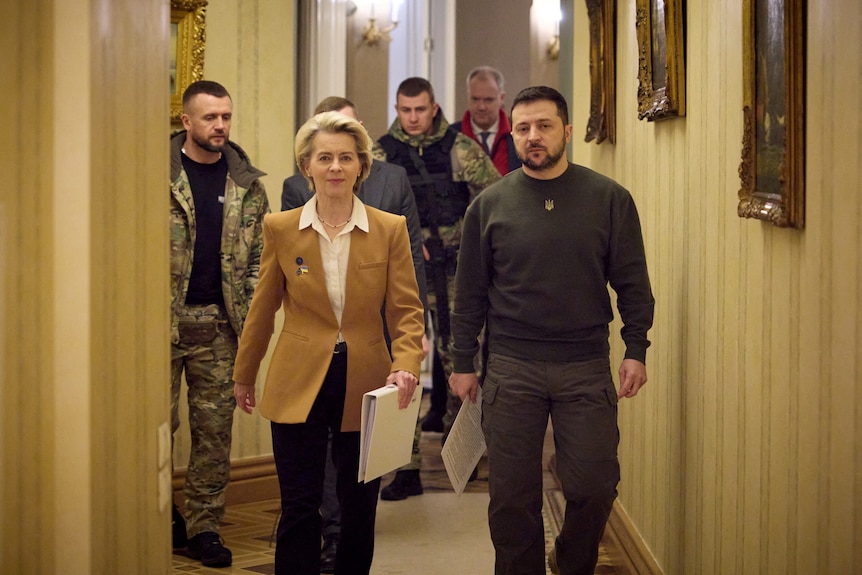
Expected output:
(380, 269)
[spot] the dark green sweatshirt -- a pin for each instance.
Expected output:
(536, 260)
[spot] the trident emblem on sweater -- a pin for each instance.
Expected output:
(549, 205)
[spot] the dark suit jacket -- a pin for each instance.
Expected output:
(378, 276)
(387, 189)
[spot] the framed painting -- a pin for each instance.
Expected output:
(602, 123)
(660, 26)
(772, 171)
(186, 54)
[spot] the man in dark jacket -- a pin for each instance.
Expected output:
(446, 171)
(485, 121)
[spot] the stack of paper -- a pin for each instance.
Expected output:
(386, 433)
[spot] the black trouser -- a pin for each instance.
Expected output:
(330, 513)
(518, 396)
(300, 459)
(439, 385)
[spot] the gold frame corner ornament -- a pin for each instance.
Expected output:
(189, 18)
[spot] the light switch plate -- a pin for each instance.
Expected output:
(164, 445)
(164, 488)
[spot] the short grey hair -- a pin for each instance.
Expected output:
(333, 123)
(486, 72)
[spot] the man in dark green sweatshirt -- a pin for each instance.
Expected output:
(538, 251)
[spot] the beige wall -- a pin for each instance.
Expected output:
(742, 453)
(84, 276)
(250, 50)
(84, 245)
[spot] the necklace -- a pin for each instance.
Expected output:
(333, 226)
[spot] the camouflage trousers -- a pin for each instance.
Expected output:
(442, 349)
(451, 238)
(205, 353)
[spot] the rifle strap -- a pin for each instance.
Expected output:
(434, 214)
(439, 273)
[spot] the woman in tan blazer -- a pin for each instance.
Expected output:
(332, 266)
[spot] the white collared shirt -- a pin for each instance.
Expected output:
(335, 252)
(492, 132)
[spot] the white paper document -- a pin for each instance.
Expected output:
(386, 432)
(465, 444)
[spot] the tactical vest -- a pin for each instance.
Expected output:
(452, 197)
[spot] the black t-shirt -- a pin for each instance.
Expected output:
(208, 187)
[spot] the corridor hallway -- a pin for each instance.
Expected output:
(436, 533)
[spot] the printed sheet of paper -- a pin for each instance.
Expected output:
(465, 444)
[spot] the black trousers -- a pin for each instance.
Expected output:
(300, 460)
(518, 396)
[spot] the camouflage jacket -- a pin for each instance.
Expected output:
(470, 164)
(242, 232)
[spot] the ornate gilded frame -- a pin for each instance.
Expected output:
(660, 28)
(602, 123)
(772, 171)
(188, 38)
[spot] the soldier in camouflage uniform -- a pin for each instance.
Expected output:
(217, 208)
(446, 170)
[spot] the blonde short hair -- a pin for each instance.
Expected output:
(333, 123)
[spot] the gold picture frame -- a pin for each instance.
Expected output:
(188, 39)
(772, 171)
(660, 26)
(601, 125)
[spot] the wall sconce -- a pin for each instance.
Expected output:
(372, 34)
(553, 49)
(550, 12)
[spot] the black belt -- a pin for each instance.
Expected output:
(340, 347)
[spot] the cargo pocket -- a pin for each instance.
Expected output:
(613, 398)
(489, 390)
(197, 331)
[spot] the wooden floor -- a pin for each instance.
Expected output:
(413, 537)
